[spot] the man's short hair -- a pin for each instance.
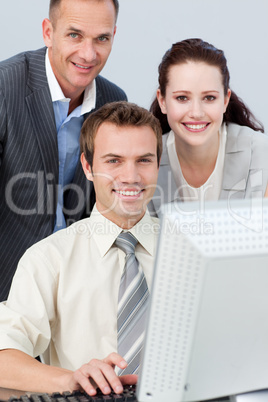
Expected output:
(121, 114)
(55, 4)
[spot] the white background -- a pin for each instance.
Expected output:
(147, 28)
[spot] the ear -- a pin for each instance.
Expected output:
(161, 102)
(112, 39)
(227, 99)
(47, 32)
(86, 167)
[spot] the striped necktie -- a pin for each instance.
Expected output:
(132, 305)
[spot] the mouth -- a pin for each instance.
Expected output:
(82, 67)
(196, 127)
(128, 193)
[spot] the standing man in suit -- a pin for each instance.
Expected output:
(45, 95)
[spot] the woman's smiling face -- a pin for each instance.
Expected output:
(194, 102)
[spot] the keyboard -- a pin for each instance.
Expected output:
(128, 395)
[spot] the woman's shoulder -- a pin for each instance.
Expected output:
(242, 134)
(237, 130)
(244, 139)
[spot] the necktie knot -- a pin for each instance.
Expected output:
(126, 242)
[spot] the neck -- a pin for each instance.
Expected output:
(125, 222)
(198, 155)
(74, 103)
(197, 163)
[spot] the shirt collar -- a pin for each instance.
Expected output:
(89, 100)
(144, 230)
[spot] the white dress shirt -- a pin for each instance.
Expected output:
(63, 299)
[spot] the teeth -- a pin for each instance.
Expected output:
(130, 193)
(196, 126)
(85, 68)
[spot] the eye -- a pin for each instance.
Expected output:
(112, 161)
(73, 35)
(182, 98)
(145, 160)
(210, 98)
(103, 38)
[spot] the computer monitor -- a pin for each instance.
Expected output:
(207, 333)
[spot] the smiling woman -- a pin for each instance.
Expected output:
(211, 145)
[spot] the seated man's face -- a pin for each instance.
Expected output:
(125, 171)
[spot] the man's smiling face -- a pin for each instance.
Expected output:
(124, 171)
(79, 40)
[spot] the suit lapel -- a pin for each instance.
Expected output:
(41, 113)
(236, 164)
(166, 190)
(43, 122)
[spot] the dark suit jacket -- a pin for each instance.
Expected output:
(29, 160)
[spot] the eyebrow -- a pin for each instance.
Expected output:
(208, 92)
(79, 31)
(73, 29)
(148, 155)
(111, 155)
(188, 92)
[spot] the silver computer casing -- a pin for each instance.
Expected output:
(207, 333)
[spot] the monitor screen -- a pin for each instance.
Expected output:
(207, 332)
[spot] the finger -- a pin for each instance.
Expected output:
(106, 377)
(129, 379)
(103, 375)
(81, 378)
(114, 359)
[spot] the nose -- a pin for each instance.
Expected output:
(87, 51)
(130, 173)
(196, 109)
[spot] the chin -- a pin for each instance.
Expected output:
(132, 213)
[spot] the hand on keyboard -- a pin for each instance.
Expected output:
(100, 374)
